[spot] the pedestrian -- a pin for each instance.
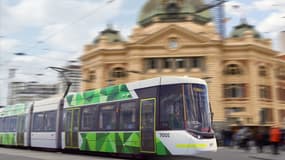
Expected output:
(244, 136)
(259, 139)
(275, 138)
(239, 137)
(247, 138)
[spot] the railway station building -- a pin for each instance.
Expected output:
(246, 77)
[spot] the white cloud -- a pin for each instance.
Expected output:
(267, 5)
(6, 47)
(75, 33)
(65, 26)
(273, 23)
(235, 8)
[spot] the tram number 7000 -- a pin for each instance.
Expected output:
(164, 135)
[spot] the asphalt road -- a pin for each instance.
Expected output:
(222, 154)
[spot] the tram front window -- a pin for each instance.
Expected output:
(197, 108)
(171, 111)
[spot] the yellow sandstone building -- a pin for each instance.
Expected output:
(246, 76)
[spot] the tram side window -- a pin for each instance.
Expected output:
(50, 121)
(171, 108)
(1, 125)
(44, 122)
(128, 116)
(13, 124)
(10, 124)
(107, 117)
(88, 120)
(38, 122)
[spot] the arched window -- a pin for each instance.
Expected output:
(262, 71)
(233, 69)
(119, 72)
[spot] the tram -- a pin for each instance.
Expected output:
(162, 116)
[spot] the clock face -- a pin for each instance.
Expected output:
(172, 43)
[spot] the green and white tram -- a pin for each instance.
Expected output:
(14, 126)
(159, 116)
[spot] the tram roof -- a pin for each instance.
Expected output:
(123, 91)
(166, 80)
(12, 110)
(47, 104)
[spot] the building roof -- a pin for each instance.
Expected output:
(173, 11)
(110, 34)
(240, 29)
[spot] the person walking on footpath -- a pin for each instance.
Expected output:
(275, 137)
(260, 136)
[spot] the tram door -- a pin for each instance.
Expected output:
(72, 128)
(147, 125)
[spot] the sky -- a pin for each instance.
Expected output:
(52, 32)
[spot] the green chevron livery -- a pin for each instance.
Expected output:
(16, 109)
(116, 142)
(108, 94)
(7, 139)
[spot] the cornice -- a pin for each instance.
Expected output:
(265, 50)
(102, 52)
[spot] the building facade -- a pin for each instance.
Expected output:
(246, 79)
(26, 92)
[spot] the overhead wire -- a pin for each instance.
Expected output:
(108, 2)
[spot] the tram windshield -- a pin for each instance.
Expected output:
(198, 115)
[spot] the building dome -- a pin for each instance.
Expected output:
(110, 34)
(173, 11)
(240, 30)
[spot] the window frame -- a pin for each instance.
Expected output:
(197, 63)
(162, 118)
(44, 128)
(235, 90)
(114, 128)
(96, 118)
(1, 124)
(151, 63)
(180, 63)
(264, 92)
(137, 116)
(262, 71)
(119, 72)
(167, 63)
(53, 129)
(233, 69)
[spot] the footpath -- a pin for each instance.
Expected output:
(227, 153)
(267, 154)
